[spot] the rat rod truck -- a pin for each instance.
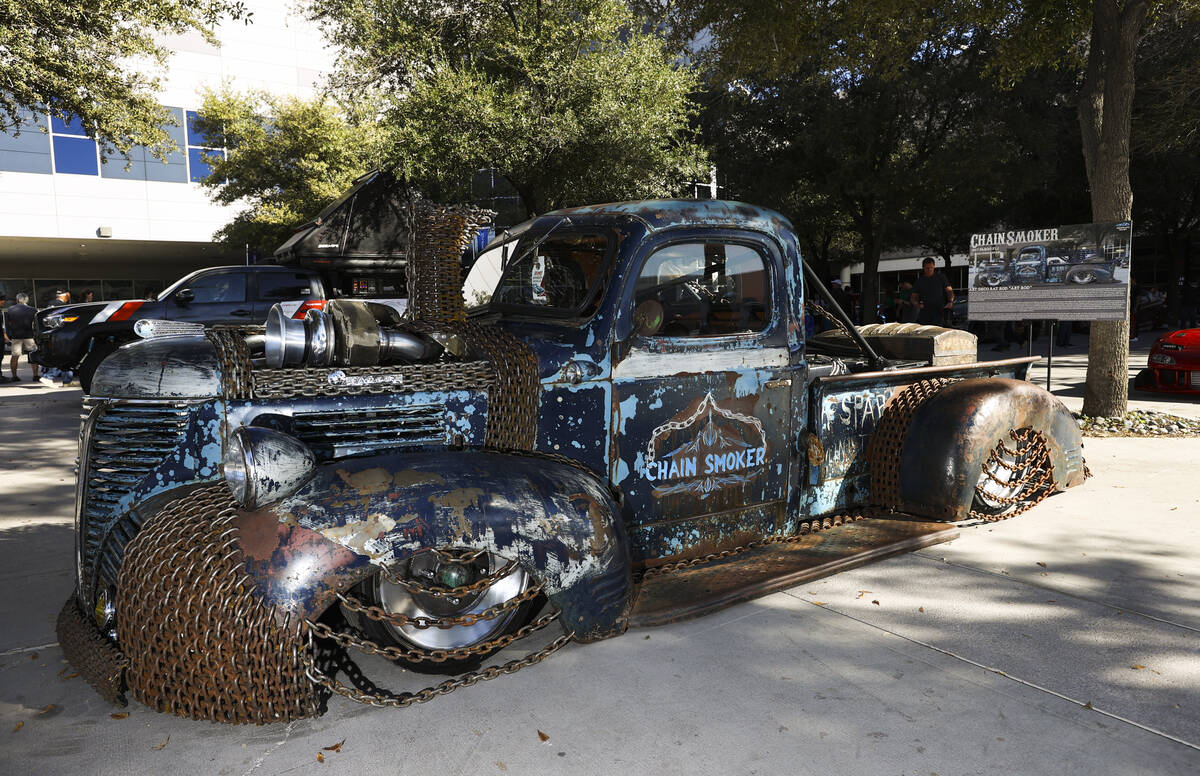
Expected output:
(631, 400)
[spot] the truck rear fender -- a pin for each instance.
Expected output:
(953, 432)
(557, 520)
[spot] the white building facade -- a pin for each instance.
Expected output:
(67, 219)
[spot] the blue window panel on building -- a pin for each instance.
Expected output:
(177, 131)
(76, 155)
(175, 171)
(20, 161)
(28, 151)
(200, 168)
(114, 166)
(195, 136)
(71, 127)
(33, 138)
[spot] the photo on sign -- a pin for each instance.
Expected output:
(1077, 272)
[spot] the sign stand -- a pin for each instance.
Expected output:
(1050, 351)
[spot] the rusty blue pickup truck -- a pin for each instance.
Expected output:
(615, 396)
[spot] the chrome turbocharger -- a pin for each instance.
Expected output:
(345, 333)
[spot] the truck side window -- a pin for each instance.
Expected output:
(706, 289)
(284, 285)
(219, 287)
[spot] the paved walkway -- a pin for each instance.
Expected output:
(1063, 641)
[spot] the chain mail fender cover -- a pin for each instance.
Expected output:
(952, 433)
(556, 520)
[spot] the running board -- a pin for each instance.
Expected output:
(701, 590)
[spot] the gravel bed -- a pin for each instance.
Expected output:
(1139, 423)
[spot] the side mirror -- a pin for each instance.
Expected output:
(184, 297)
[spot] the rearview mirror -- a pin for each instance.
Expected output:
(184, 296)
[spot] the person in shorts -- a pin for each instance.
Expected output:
(18, 329)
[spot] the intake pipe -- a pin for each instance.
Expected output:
(346, 333)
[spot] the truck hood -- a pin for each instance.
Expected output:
(183, 367)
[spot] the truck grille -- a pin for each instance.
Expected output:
(371, 429)
(128, 441)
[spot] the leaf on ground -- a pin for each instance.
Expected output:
(501, 765)
(163, 745)
(818, 603)
(1043, 565)
(1087, 705)
(1137, 667)
(920, 608)
(336, 747)
(46, 710)
(20, 725)
(60, 673)
(876, 602)
(33, 656)
(542, 736)
(861, 593)
(70, 676)
(320, 757)
(119, 715)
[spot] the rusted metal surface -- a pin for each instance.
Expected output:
(952, 434)
(556, 520)
(95, 658)
(199, 642)
(701, 590)
(886, 444)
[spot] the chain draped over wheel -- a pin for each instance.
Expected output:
(1015, 479)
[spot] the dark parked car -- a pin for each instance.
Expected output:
(79, 336)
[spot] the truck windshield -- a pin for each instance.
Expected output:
(560, 277)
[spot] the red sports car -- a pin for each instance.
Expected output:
(1174, 364)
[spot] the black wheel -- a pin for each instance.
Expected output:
(87, 368)
(1081, 276)
(437, 572)
(1014, 476)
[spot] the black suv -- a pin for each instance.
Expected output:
(79, 336)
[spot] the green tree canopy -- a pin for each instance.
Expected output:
(94, 59)
(286, 158)
(572, 102)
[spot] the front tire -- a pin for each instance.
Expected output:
(86, 370)
(438, 571)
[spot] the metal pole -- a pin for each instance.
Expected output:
(1050, 353)
(1029, 335)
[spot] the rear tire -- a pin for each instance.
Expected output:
(1010, 480)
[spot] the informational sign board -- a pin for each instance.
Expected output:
(1065, 273)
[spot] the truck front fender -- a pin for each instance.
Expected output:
(558, 521)
(953, 432)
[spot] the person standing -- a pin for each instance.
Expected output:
(932, 295)
(53, 375)
(18, 329)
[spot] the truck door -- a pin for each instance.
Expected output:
(213, 297)
(701, 396)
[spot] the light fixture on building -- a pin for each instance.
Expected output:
(104, 231)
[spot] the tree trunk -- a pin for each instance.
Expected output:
(1105, 111)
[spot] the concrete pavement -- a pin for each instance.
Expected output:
(1063, 641)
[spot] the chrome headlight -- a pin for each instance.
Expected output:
(51, 322)
(263, 465)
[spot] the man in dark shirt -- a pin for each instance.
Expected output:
(932, 295)
(18, 329)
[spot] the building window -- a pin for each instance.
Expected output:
(200, 145)
(30, 150)
(74, 152)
